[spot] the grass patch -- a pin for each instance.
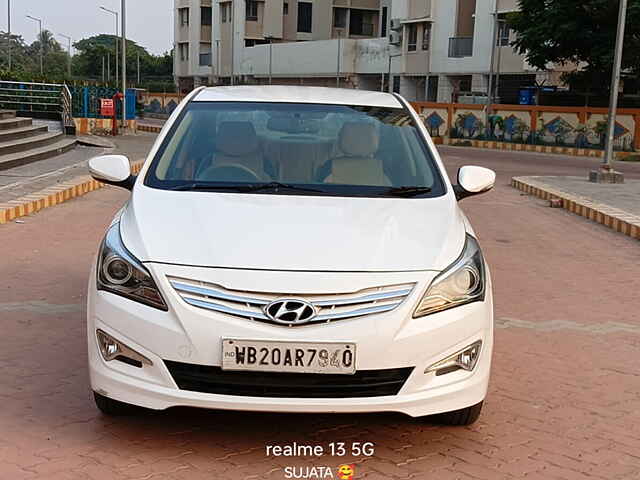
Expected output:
(630, 158)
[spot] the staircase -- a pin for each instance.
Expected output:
(22, 142)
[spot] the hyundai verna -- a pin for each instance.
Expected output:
(292, 249)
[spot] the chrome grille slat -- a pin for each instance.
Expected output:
(356, 313)
(216, 307)
(329, 307)
(209, 292)
(364, 299)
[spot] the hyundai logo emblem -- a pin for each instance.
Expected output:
(290, 311)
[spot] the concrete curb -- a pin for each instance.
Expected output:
(54, 195)
(149, 128)
(524, 147)
(616, 219)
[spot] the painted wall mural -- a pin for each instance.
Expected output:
(539, 125)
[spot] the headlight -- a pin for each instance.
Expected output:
(121, 273)
(462, 282)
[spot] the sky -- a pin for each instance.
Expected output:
(149, 22)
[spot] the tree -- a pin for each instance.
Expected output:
(55, 58)
(580, 32)
(21, 60)
(88, 62)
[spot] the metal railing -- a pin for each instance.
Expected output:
(67, 108)
(460, 47)
(39, 100)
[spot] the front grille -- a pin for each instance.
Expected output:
(328, 307)
(364, 383)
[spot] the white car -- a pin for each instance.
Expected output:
(291, 249)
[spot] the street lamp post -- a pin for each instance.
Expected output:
(338, 58)
(124, 63)
(113, 12)
(494, 36)
(69, 63)
(270, 38)
(615, 87)
(9, 31)
(218, 71)
(39, 20)
(233, 42)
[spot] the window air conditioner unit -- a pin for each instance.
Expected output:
(395, 38)
(396, 24)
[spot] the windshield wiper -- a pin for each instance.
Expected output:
(278, 186)
(407, 191)
(185, 187)
(241, 187)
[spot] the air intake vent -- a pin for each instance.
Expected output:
(364, 383)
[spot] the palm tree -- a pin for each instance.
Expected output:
(49, 44)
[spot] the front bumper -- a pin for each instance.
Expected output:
(187, 334)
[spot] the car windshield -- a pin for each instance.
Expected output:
(302, 149)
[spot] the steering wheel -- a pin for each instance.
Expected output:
(231, 172)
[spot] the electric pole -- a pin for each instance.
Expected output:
(124, 63)
(615, 86)
(69, 62)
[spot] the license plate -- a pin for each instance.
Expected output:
(299, 357)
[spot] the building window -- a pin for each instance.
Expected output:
(339, 17)
(205, 55)
(225, 12)
(183, 15)
(252, 42)
(183, 48)
(361, 22)
(383, 30)
(305, 17)
(426, 36)
(412, 37)
(285, 8)
(252, 11)
(504, 31)
(205, 15)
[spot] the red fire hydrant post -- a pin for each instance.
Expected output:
(117, 97)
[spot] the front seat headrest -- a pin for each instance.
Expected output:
(237, 138)
(359, 139)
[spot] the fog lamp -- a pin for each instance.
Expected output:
(112, 349)
(465, 359)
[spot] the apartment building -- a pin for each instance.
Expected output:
(193, 45)
(442, 50)
(224, 54)
(436, 50)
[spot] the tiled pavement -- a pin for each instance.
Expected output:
(564, 400)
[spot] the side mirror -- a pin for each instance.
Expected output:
(113, 170)
(473, 181)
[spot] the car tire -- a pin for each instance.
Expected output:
(113, 408)
(464, 416)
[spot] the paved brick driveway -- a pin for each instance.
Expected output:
(564, 400)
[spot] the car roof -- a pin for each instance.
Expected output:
(297, 94)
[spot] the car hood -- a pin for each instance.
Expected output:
(292, 232)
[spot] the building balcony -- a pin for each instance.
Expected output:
(363, 29)
(460, 47)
